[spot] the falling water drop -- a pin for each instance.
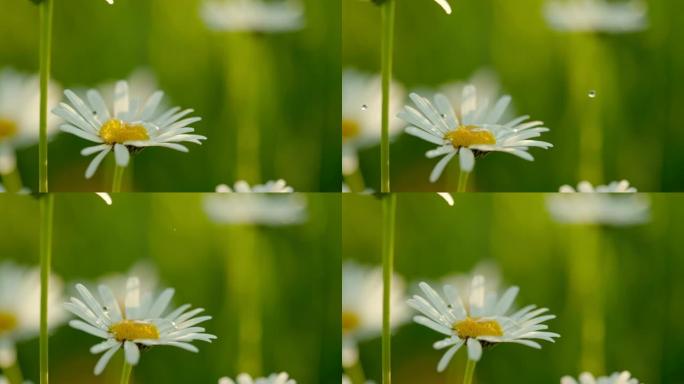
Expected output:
(592, 94)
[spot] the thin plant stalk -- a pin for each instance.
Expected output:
(355, 373)
(462, 181)
(13, 373)
(47, 205)
(118, 178)
(388, 12)
(46, 8)
(389, 213)
(126, 372)
(469, 371)
(12, 181)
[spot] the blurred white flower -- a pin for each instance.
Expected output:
(19, 118)
(462, 281)
(471, 129)
(486, 81)
(362, 306)
(276, 378)
(142, 83)
(144, 271)
(110, 1)
(139, 323)
(132, 126)
(253, 15)
(20, 307)
(587, 378)
(256, 208)
(596, 15)
(361, 117)
(278, 186)
(481, 321)
(615, 204)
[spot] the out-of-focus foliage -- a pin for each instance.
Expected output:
(638, 97)
(297, 98)
(296, 268)
(640, 269)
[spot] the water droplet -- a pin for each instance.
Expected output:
(592, 94)
(443, 116)
(173, 324)
(364, 107)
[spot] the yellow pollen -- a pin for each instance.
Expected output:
(8, 128)
(7, 322)
(350, 129)
(470, 328)
(467, 135)
(350, 321)
(116, 131)
(133, 330)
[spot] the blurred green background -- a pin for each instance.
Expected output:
(640, 278)
(638, 77)
(297, 94)
(296, 269)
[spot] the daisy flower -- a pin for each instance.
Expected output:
(19, 120)
(361, 118)
(596, 15)
(274, 209)
(20, 307)
(362, 306)
(615, 204)
(278, 186)
(484, 320)
(276, 378)
(130, 127)
(253, 15)
(471, 131)
(587, 378)
(141, 322)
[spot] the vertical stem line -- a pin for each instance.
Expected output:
(462, 181)
(389, 213)
(118, 177)
(388, 11)
(126, 372)
(46, 8)
(469, 372)
(47, 204)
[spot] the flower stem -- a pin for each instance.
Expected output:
(469, 372)
(45, 49)
(126, 372)
(118, 177)
(463, 181)
(355, 373)
(12, 181)
(389, 213)
(13, 373)
(388, 11)
(354, 181)
(47, 205)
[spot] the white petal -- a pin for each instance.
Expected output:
(466, 159)
(122, 155)
(439, 168)
(474, 350)
(92, 167)
(132, 352)
(445, 6)
(446, 358)
(102, 363)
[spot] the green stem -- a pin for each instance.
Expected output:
(126, 372)
(469, 372)
(389, 213)
(12, 181)
(355, 373)
(118, 177)
(354, 181)
(463, 181)
(388, 11)
(45, 49)
(13, 373)
(47, 205)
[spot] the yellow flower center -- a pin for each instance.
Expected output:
(134, 330)
(350, 129)
(350, 321)
(8, 128)
(7, 322)
(116, 131)
(471, 328)
(467, 135)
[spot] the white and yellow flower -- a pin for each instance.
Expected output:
(130, 127)
(597, 15)
(253, 15)
(277, 186)
(587, 378)
(19, 117)
(268, 209)
(470, 130)
(484, 320)
(276, 378)
(20, 307)
(142, 322)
